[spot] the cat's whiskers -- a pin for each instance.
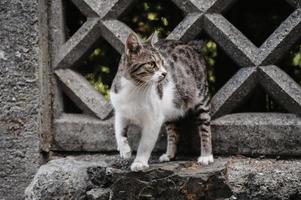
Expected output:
(140, 88)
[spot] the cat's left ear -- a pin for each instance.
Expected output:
(133, 44)
(153, 39)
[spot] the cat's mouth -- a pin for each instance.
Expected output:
(161, 79)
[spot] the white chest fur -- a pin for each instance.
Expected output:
(141, 106)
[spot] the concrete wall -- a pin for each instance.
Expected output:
(19, 96)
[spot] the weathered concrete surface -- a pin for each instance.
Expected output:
(19, 96)
(241, 133)
(281, 87)
(85, 133)
(236, 45)
(257, 134)
(63, 178)
(252, 179)
(233, 92)
(83, 94)
(108, 177)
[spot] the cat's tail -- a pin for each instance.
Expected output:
(198, 45)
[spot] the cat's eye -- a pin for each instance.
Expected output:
(150, 65)
(153, 65)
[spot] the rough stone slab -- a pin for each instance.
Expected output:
(233, 92)
(77, 46)
(257, 134)
(174, 180)
(83, 176)
(188, 28)
(116, 33)
(248, 134)
(252, 179)
(233, 42)
(99, 194)
(85, 133)
(232, 178)
(283, 38)
(83, 94)
(63, 178)
(280, 86)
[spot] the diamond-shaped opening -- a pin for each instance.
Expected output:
(258, 19)
(74, 19)
(99, 66)
(291, 62)
(69, 106)
(220, 66)
(259, 101)
(144, 17)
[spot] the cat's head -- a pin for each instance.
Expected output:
(144, 63)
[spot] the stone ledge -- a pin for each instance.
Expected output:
(233, 134)
(108, 177)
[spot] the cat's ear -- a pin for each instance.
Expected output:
(153, 39)
(133, 44)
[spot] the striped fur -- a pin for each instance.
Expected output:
(157, 84)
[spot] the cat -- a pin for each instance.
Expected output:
(158, 82)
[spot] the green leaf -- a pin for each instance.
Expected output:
(164, 21)
(297, 59)
(146, 6)
(105, 69)
(152, 16)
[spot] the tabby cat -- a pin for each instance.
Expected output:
(158, 82)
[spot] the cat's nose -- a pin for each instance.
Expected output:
(164, 74)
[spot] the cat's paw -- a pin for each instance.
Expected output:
(164, 158)
(139, 166)
(205, 160)
(125, 151)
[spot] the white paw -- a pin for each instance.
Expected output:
(205, 160)
(125, 151)
(139, 166)
(164, 158)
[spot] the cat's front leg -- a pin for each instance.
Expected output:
(121, 128)
(148, 140)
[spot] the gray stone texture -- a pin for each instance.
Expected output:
(26, 112)
(280, 86)
(20, 101)
(257, 134)
(87, 134)
(242, 133)
(101, 177)
(83, 94)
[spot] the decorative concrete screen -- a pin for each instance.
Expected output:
(240, 133)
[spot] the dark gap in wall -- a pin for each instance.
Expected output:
(144, 17)
(74, 19)
(258, 19)
(291, 62)
(99, 66)
(70, 106)
(259, 101)
(220, 66)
